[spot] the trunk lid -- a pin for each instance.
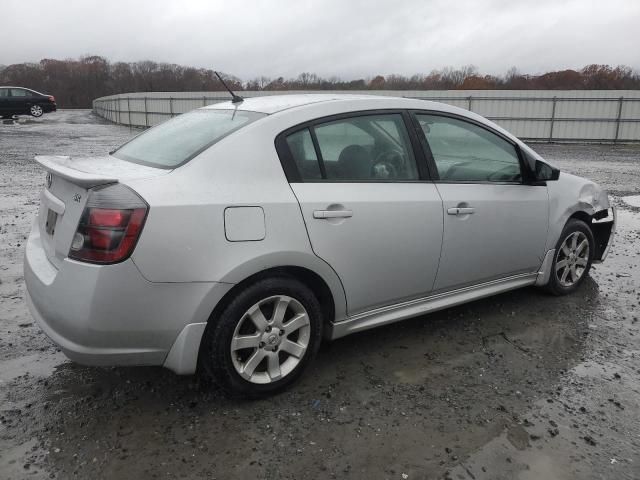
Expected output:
(67, 188)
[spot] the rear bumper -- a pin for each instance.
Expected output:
(110, 314)
(51, 107)
(92, 355)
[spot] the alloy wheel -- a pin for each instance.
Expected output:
(572, 259)
(270, 339)
(36, 110)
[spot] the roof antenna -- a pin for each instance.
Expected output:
(234, 98)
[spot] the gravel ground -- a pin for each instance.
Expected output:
(522, 385)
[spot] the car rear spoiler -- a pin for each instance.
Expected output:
(62, 166)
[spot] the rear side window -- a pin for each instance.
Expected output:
(334, 137)
(180, 139)
(364, 148)
(464, 152)
(19, 92)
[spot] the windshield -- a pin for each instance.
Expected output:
(180, 139)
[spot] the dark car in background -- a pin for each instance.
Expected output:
(24, 101)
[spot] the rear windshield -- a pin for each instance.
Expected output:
(178, 140)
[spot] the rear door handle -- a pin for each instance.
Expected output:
(332, 213)
(461, 211)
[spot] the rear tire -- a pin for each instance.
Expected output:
(36, 111)
(573, 258)
(264, 338)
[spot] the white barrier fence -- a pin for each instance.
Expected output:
(541, 115)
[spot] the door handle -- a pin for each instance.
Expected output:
(461, 211)
(332, 214)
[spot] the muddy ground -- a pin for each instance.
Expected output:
(522, 385)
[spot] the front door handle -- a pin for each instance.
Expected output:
(332, 214)
(461, 211)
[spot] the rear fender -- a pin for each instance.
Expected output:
(183, 355)
(294, 259)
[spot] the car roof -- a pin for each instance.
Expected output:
(276, 103)
(270, 104)
(345, 103)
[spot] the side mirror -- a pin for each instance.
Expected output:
(545, 172)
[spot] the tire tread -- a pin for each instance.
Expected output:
(214, 359)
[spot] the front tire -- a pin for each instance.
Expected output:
(264, 338)
(573, 258)
(36, 111)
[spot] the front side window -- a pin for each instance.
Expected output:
(180, 139)
(464, 152)
(18, 92)
(4, 92)
(363, 148)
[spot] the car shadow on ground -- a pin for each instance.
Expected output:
(524, 320)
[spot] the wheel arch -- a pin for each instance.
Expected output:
(601, 230)
(311, 279)
(581, 215)
(185, 351)
(308, 277)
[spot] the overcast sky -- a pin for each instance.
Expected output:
(346, 38)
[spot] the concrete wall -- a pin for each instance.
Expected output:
(542, 115)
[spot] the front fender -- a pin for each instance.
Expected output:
(569, 195)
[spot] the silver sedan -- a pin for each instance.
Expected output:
(232, 239)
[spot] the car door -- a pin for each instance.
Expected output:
(19, 100)
(4, 100)
(495, 225)
(369, 210)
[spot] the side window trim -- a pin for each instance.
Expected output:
(291, 170)
(316, 147)
(524, 172)
(422, 157)
(286, 157)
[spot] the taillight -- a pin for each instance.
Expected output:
(52, 99)
(110, 225)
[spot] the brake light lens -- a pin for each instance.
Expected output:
(109, 227)
(109, 217)
(52, 98)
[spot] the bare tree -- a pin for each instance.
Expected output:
(76, 82)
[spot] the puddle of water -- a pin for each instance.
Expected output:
(633, 200)
(12, 461)
(37, 365)
(591, 369)
(525, 463)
